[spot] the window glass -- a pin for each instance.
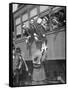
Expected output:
(26, 24)
(18, 29)
(18, 21)
(33, 12)
(25, 17)
(43, 8)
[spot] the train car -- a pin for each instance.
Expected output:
(55, 31)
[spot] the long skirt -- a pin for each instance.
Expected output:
(38, 74)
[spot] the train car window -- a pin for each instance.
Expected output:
(24, 17)
(58, 18)
(43, 8)
(18, 31)
(18, 21)
(26, 23)
(33, 12)
(45, 22)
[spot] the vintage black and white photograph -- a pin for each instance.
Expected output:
(38, 44)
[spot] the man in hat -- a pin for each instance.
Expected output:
(20, 67)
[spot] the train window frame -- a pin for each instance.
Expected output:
(17, 19)
(19, 36)
(44, 9)
(24, 15)
(33, 15)
(25, 22)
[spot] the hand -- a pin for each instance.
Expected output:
(26, 69)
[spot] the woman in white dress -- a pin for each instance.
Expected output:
(38, 67)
